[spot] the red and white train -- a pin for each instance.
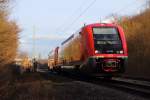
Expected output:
(96, 49)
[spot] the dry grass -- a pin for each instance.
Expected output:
(33, 86)
(137, 30)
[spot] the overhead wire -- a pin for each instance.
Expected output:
(121, 10)
(140, 7)
(80, 15)
(86, 9)
(69, 18)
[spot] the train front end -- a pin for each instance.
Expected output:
(107, 49)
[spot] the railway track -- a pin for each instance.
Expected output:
(135, 87)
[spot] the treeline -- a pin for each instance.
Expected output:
(137, 30)
(8, 37)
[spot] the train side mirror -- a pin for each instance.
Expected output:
(80, 33)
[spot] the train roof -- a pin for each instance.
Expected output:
(101, 24)
(91, 25)
(67, 39)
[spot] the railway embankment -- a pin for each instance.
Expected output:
(137, 31)
(34, 86)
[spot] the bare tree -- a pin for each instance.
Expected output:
(8, 35)
(137, 32)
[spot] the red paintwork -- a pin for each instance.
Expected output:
(80, 47)
(90, 41)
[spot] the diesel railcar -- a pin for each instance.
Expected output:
(96, 49)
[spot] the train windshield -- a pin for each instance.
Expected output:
(107, 40)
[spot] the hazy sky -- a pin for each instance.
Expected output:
(52, 19)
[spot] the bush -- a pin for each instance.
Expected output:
(137, 31)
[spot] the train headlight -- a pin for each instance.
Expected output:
(96, 51)
(121, 52)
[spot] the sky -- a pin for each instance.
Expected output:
(50, 22)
